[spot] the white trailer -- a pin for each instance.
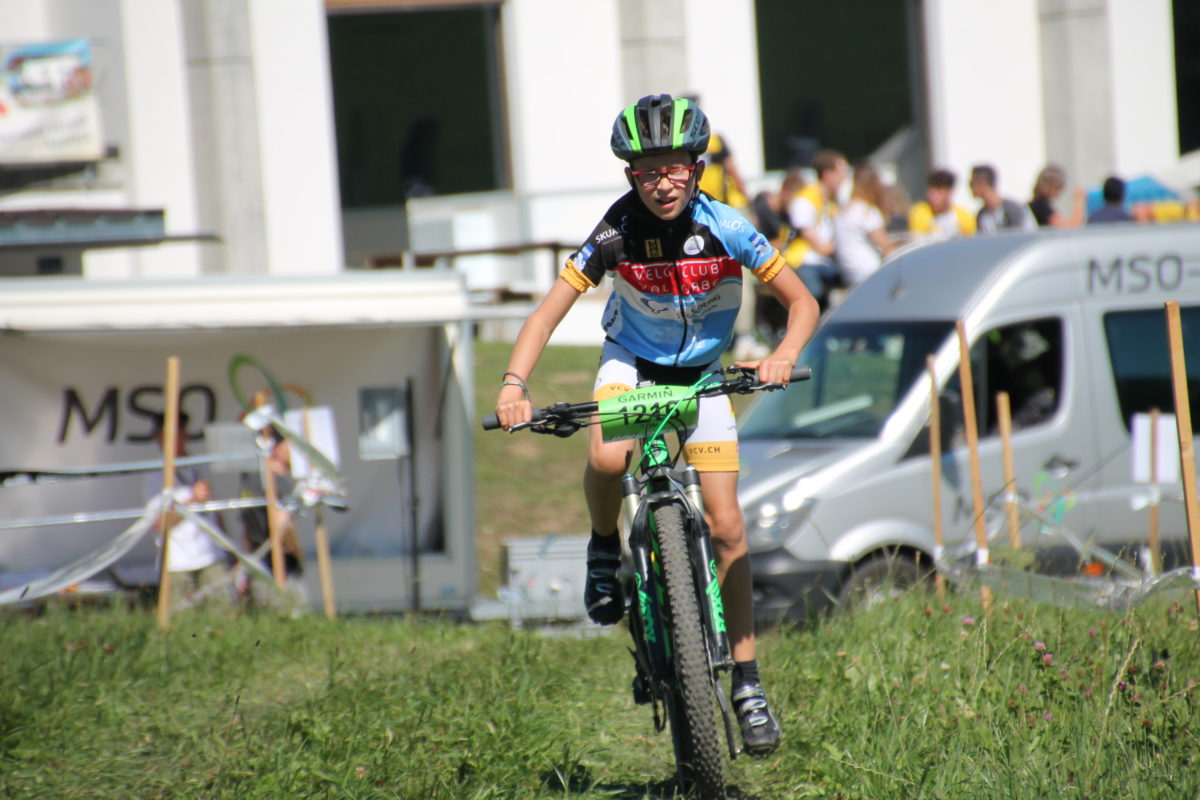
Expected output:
(82, 367)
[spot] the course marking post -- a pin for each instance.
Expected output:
(971, 425)
(935, 469)
(1004, 417)
(1183, 419)
(1155, 544)
(170, 434)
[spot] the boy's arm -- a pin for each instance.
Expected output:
(803, 315)
(512, 404)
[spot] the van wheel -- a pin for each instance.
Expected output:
(882, 577)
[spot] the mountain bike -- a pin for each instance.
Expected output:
(676, 619)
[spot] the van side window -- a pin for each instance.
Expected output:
(1139, 354)
(1024, 360)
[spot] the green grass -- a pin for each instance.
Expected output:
(908, 699)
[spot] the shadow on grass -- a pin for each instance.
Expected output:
(579, 779)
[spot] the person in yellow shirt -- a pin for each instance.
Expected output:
(811, 214)
(938, 216)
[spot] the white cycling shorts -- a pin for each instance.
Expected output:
(711, 446)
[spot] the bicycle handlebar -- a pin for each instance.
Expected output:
(491, 422)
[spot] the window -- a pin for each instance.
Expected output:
(860, 372)
(1023, 360)
(1140, 357)
(417, 103)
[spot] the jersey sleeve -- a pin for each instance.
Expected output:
(585, 268)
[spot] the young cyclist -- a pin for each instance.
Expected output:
(675, 256)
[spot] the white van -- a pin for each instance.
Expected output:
(836, 481)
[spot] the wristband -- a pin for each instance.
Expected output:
(524, 388)
(515, 375)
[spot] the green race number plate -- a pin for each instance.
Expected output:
(636, 413)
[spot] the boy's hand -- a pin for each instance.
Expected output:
(513, 406)
(775, 368)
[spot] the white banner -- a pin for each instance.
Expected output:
(48, 109)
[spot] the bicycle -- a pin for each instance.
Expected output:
(676, 621)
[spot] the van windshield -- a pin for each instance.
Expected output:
(860, 371)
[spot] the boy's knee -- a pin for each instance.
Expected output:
(608, 463)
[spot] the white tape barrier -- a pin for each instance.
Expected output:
(86, 566)
(1123, 587)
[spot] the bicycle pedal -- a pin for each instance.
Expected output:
(641, 691)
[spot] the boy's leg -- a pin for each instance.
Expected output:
(728, 529)
(760, 729)
(607, 463)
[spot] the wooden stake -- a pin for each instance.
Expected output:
(972, 431)
(323, 563)
(1183, 419)
(935, 470)
(170, 434)
(1155, 544)
(1004, 416)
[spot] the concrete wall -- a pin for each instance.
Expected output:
(985, 90)
(220, 112)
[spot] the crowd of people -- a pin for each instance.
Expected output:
(835, 238)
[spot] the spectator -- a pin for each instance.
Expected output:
(771, 218)
(860, 229)
(1113, 209)
(256, 530)
(938, 215)
(998, 213)
(1049, 185)
(811, 214)
(196, 563)
(722, 179)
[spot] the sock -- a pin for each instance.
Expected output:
(606, 544)
(745, 672)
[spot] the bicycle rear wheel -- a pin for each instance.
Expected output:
(698, 750)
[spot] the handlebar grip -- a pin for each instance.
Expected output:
(492, 423)
(801, 373)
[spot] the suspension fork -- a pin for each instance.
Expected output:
(654, 644)
(704, 565)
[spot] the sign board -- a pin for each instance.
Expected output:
(49, 112)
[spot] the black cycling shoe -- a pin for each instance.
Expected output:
(602, 595)
(760, 728)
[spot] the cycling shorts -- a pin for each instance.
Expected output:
(711, 446)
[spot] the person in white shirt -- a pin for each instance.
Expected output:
(196, 563)
(860, 229)
(811, 213)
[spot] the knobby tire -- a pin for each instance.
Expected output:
(693, 720)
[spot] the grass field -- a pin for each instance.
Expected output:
(912, 698)
(909, 699)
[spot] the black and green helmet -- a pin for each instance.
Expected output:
(658, 124)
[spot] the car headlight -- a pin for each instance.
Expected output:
(776, 518)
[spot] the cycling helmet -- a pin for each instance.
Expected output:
(659, 124)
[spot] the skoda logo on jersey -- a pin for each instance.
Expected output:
(693, 245)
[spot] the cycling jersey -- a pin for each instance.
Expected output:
(677, 284)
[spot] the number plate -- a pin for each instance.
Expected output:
(636, 413)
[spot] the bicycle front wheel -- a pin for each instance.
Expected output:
(693, 709)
